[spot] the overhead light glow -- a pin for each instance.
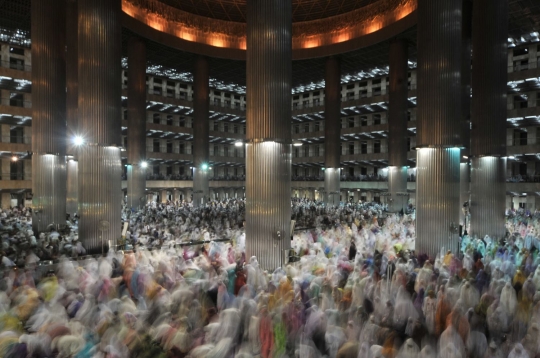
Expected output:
(14, 158)
(204, 166)
(144, 165)
(238, 144)
(78, 140)
(297, 144)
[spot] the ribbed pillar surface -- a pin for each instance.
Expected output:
(100, 191)
(437, 200)
(72, 104)
(201, 132)
(397, 187)
(332, 130)
(136, 107)
(48, 113)
(72, 204)
(268, 152)
(464, 189)
(488, 144)
(466, 57)
(488, 197)
(439, 73)
(331, 186)
(397, 124)
(439, 126)
(465, 168)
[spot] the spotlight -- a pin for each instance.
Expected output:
(238, 144)
(204, 166)
(14, 158)
(511, 157)
(78, 140)
(297, 144)
(144, 165)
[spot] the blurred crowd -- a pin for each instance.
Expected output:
(355, 289)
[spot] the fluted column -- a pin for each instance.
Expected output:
(72, 98)
(488, 144)
(397, 124)
(439, 126)
(136, 107)
(268, 155)
(465, 168)
(201, 132)
(332, 130)
(100, 191)
(48, 113)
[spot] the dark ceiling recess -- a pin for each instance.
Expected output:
(235, 10)
(524, 19)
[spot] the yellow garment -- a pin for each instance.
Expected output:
(519, 277)
(448, 258)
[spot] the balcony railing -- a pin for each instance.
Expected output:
(535, 178)
(16, 66)
(15, 176)
(16, 139)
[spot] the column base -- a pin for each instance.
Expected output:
(464, 192)
(201, 190)
(100, 198)
(268, 205)
(437, 200)
(488, 197)
(331, 186)
(136, 187)
(49, 191)
(397, 187)
(72, 199)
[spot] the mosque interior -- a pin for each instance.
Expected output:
(270, 178)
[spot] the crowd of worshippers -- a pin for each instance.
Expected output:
(357, 290)
(159, 224)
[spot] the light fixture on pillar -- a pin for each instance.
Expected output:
(78, 140)
(14, 158)
(144, 165)
(204, 166)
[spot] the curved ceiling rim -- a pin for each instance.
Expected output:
(384, 34)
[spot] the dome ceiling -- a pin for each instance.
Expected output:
(235, 10)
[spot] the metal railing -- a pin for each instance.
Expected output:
(535, 178)
(15, 102)
(15, 176)
(16, 139)
(16, 66)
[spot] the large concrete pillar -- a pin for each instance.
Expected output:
(5, 201)
(201, 132)
(464, 167)
(136, 108)
(100, 167)
(48, 113)
(268, 150)
(397, 124)
(332, 130)
(72, 99)
(488, 144)
(439, 128)
(464, 191)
